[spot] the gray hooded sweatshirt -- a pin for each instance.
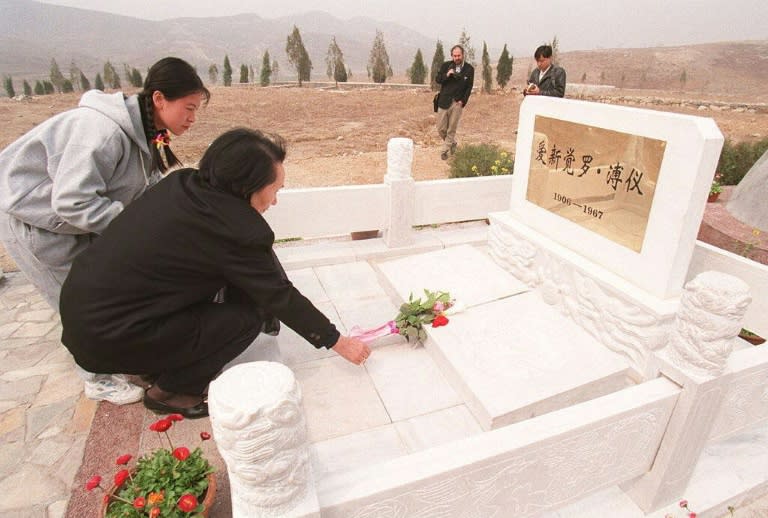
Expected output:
(75, 172)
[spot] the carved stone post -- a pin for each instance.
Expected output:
(709, 319)
(400, 203)
(260, 431)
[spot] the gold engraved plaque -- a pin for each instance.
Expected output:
(602, 180)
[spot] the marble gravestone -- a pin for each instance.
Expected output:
(605, 207)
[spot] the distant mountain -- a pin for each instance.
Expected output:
(32, 33)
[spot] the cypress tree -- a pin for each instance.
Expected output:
(379, 68)
(213, 73)
(227, 75)
(243, 73)
(48, 87)
(334, 59)
(469, 51)
(504, 68)
(418, 71)
(437, 61)
(298, 56)
(57, 78)
(27, 89)
(67, 87)
(98, 83)
(487, 73)
(8, 83)
(266, 70)
(84, 83)
(39, 88)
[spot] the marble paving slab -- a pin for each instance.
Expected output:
(519, 357)
(469, 275)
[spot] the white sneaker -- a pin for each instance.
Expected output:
(113, 388)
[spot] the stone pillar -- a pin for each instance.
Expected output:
(399, 211)
(259, 428)
(709, 319)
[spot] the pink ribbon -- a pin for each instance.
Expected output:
(369, 335)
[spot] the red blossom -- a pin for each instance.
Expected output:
(105, 498)
(181, 453)
(692, 515)
(154, 512)
(187, 503)
(161, 426)
(121, 476)
(93, 482)
(123, 459)
(139, 502)
(176, 417)
(440, 320)
(205, 436)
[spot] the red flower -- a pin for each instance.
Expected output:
(105, 498)
(161, 426)
(440, 320)
(154, 512)
(93, 482)
(123, 459)
(181, 453)
(187, 503)
(139, 502)
(175, 417)
(121, 476)
(205, 436)
(692, 515)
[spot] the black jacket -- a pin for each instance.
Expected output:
(173, 248)
(456, 87)
(553, 84)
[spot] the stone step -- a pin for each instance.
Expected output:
(510, 355)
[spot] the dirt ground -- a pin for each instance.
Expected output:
(339, 137)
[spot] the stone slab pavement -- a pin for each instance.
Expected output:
(47, 444)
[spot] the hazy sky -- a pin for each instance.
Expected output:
(585, 24)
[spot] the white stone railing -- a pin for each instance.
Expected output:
(523, 469)
(394, 206)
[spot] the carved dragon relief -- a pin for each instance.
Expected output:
(618, 324)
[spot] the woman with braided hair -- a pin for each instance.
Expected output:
(66, 179)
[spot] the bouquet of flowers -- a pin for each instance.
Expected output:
(168, 482)
(413, 316)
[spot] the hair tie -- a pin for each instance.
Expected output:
(162, 139)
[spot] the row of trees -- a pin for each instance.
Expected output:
(379, 68)
(76, 81)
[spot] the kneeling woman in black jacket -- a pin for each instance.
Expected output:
(140, 299)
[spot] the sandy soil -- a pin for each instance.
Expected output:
(339, 137)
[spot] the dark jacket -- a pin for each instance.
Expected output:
(172, 249)
(456, 87)
(552, 84)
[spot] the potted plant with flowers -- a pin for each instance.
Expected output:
(715, 189)
(167, 482)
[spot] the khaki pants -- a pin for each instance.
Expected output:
(448, 123)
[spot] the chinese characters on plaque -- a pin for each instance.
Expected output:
(600, 179)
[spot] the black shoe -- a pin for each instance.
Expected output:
(444, 155)
(158, 407)
(271, 326)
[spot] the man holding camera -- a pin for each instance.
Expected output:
(546, 79)
(455, 78)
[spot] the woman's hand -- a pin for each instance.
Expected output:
(352, 349)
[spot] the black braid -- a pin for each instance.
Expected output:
(147, 108)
